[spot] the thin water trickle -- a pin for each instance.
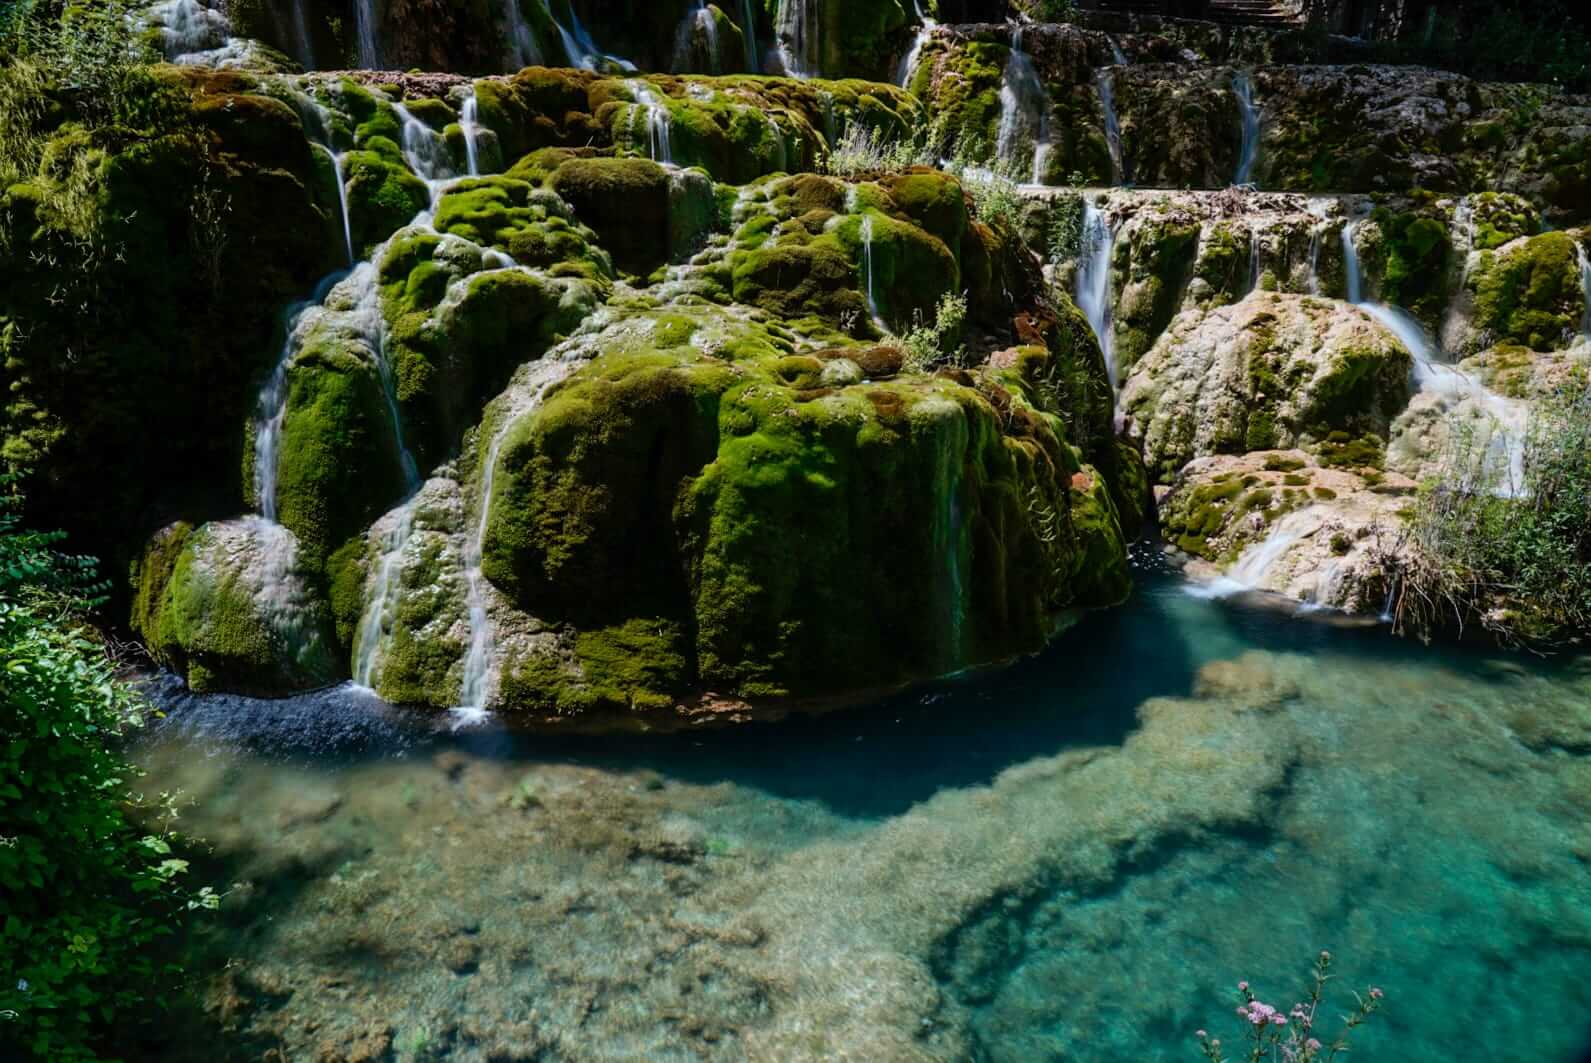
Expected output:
(526, 51)
(796, 36)
(659, 123)
(1585, 289)
(1254, 258)
(365, 35)
(1105, 81)
(748, 27)
(867, 267)
(908, 62)
(698, 21)
(1093, 282)
(342, 199)
(1243, 89)
(469, 122)
(1024, 111)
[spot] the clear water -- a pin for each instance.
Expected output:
(1072, 858)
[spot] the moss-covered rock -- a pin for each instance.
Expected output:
(1152, 259)
(230, 607)
(1529, 292)
(383, 195)
(626, 202)
(1272, 371)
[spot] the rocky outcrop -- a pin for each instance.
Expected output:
(1271, 371)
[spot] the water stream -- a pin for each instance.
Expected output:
(908, 62)
(1024, 112)
(1585, 288)
(470, 123)
(648, 105)
(1105, 82)
(1243, 89)
(1093, 294)
(748, 27)
(796, 38)
(524, 48)
(365, 37)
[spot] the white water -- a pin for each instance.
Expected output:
(1254, 564)
(303, 43)
(1116, 55)
(796, 33)
(365, 34)
(908, 62)
(1253, 258)
(1093, 282)
(477, 663)
(580, 48)
(1313, 281)
(1106, 83)
(1510, 417)
(1024, 111)
(525, 50)
(1243, 89)
(698, 21)
(748, 26)
(659, 140)
(1585, 289)
(425, 151)
(342, 199)
(193, 34)
(867, 268)
(469, 122)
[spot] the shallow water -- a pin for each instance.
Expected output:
(1072, 858)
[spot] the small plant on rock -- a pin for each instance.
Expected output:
(931, 346)
(1293, 1036)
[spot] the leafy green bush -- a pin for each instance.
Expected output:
(86, 892)
(1516, 558)
(930, 346)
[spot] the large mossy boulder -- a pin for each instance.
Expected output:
(763, 523)
(626, 202)
(1528, 292)
(231, 607)
(1271, 371)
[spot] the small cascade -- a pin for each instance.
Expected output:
(796, 31)
(303, 43)
(1116, 55)
(469, 122)
(698, 21)
(1585, 289)
(1254, 565)
(1510, 416)
(1243, 89)
(867, 269)
(1024, 111)
(908, 62)
(1312, 283)
(383, 603)
(541, 377)
(581, 49)
(423, 149)
(1106, 83)
(1253, 258)
(525, 50)
(342, 199)
(1093, 282)
(660, 147)
(369, 47)
(748, 26)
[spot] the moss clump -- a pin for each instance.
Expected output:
(626, 202)
(1340, 450)
(1154, 264)
(1413, 255)
(1530, 294)
(1283, 463)
(383, 196)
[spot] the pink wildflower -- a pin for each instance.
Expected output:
(1279, 1020)
(1243, 986)
(1312, 1044)
(1375, 993)
(1200, 1034)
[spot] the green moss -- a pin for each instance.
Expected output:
(1530, 295)
(1414, 255)
(1341, 451)
(1283, 463)
(382, 196)
(626, 202)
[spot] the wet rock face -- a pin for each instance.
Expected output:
(1271, 371)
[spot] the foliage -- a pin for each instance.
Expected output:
(930, 346)
(990, 181)
(1293, 1037)
(1515, 556)
(86, 892)
(1054, 10)
(1065, 236)
(863, 149)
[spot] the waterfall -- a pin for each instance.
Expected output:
(1116, 55)
(1024, 110)
(908, 62)
(867, 268)
(1254, 564)
(526, 51)
(342, 199)
(1585, 288)
(369, 49)
(1244, 90)
(1253, 258)
(580, 48)
(303, 43)
(1093, 282)
(1105, 80)
(1313, 281)
(698, 19)
(469, 122)
(1509, 416)
(541, 377)
(796, 33)
(658, 122)
(748, 18)
(423, 149)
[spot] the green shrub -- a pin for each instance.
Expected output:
(86, 891)
(929, 346)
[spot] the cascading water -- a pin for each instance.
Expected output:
(1254, 564)
(424, 150)
(303, 43)
(1313, 281)
(1024, 111)
(342, 199)
(540, 377)
(469, 122)
(1510, 417)
(867, 268)
(1093, 282)
(1116, 55)
(367, 42)
(908, 62)
(521, 38)
(748, 28)
(1585, 289)
(698, 22)
(1243, 89)
(581, 49)
(660, 145)
(1105, 81)
(795, 30)
(1254, 258)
